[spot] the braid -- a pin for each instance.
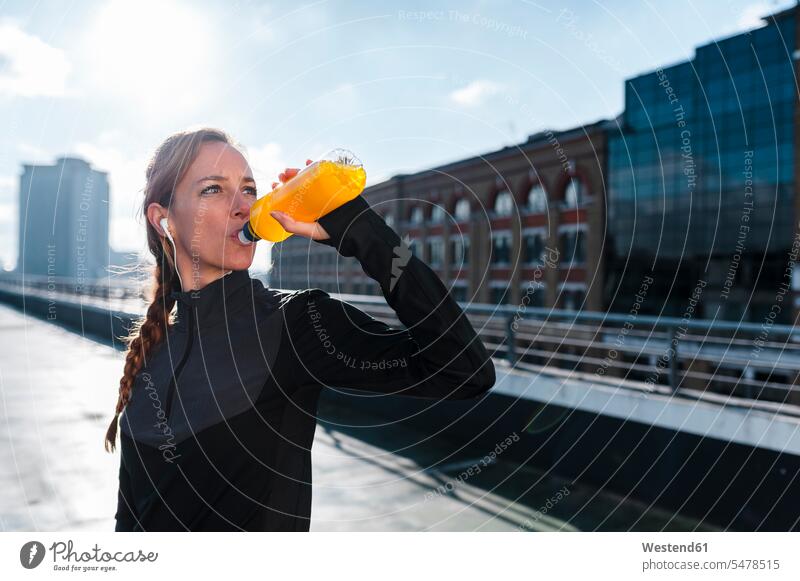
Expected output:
(164, 171)
(145, 334)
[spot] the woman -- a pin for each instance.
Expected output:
(217, 403)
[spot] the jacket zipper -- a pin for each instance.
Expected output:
(181, 363)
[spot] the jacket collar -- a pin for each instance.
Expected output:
(215, 301)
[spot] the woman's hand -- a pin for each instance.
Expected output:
(311, 230)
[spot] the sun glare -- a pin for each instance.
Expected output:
(155, 53)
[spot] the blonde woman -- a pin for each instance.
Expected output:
(217, 401)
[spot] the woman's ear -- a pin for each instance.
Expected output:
(155, 213)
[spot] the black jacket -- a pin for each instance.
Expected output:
(217, 434)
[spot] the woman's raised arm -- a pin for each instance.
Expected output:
(437, 356)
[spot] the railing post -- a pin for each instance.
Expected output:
(674, 360)
(511, 351)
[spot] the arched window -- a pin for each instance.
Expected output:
(416, 215)
(437, 214)
(503, 203)
(537, 199)
(462, 210)
(573, 195)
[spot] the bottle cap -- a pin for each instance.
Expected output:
(343, 157)
(246, 236)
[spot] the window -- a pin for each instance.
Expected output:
(462, 210)
(573, 195)
(503, 203)
(532, 295)
(499, 295)
(416, 215)
(501, 248)
(435, 251)
(459, 292)
(389, 220)
(573, 246)
(537, 199)
(437, 214)
(534, 244)
(572, 300)
(459, 251)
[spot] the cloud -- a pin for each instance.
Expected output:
(7, 184)
(33, 154)
(263, 24)
(750, 16)
(341, 102)
(126, 183)
(163, 58)
(475, 93)
(29, 67)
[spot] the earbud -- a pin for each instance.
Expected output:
(165, 227)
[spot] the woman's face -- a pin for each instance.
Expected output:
(210, 205)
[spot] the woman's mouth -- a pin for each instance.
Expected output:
(235, 237)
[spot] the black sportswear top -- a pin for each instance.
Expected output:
(218, 431)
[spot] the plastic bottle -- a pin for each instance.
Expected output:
(317, 189)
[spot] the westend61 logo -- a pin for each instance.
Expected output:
(32, 554)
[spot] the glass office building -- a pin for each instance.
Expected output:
(701, 180)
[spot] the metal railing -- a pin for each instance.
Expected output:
(724, 360)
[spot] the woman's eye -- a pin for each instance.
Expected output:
(215, 188)
(211, 189)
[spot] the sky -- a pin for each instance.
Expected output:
(404, 85)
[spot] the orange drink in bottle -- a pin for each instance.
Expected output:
(317, 189)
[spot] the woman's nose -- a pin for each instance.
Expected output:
(241, 206)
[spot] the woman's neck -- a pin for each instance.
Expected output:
(197, 278)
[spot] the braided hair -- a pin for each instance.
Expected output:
(165, 169)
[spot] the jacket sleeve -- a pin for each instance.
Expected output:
(437, 356)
